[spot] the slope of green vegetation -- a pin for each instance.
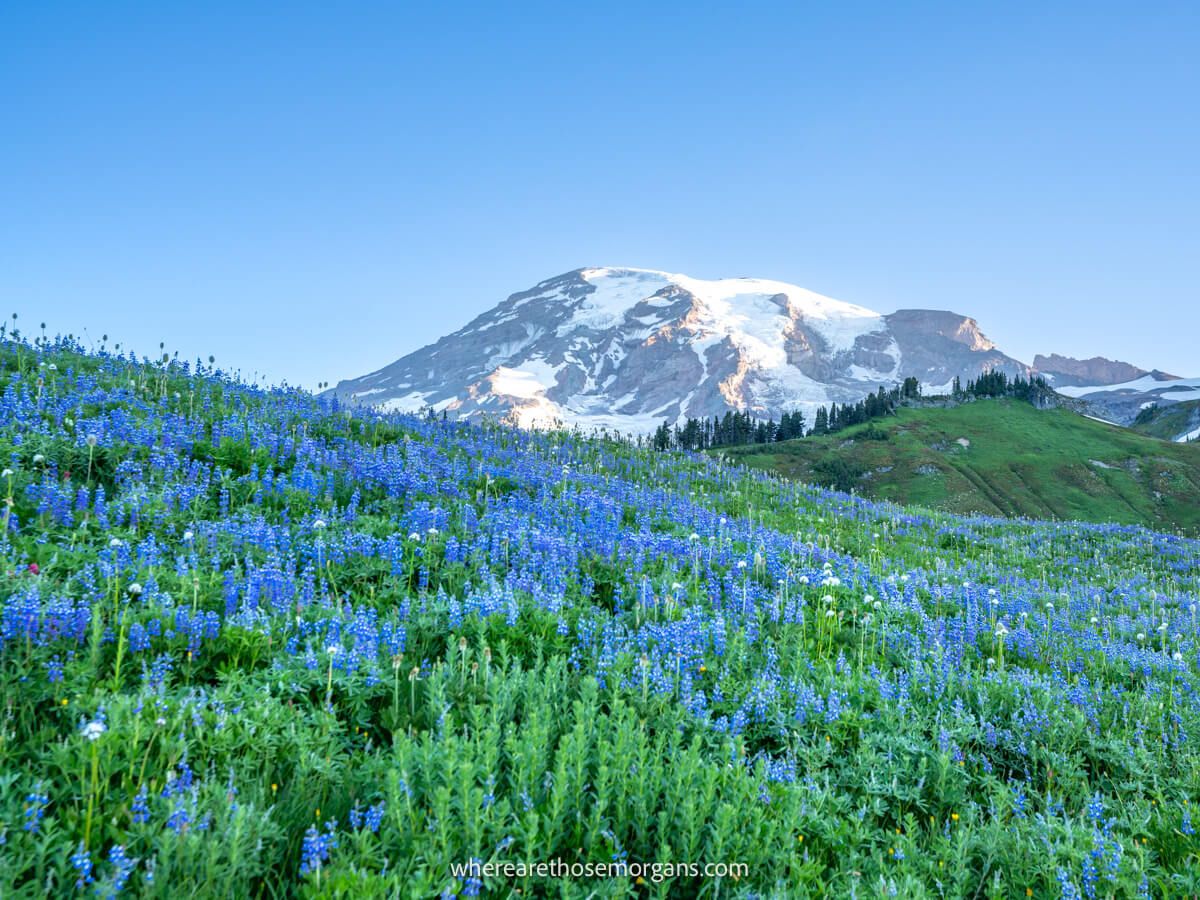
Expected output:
(253, 645)
(1168, 422)
(1001, 458)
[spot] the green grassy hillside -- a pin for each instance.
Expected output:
(1001, 457)
(253, 645)
(1168, 422)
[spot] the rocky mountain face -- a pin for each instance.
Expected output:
(1112, 390)
(1063, 371)
(628, 348)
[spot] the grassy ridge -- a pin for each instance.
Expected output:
(1020, 461)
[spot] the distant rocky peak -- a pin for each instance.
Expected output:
(1097, 371)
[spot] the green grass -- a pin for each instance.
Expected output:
(518, 646)
(1021, 461)
(1168, 422)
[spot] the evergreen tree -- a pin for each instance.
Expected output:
(821, 425)
(662, 437)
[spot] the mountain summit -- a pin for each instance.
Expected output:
(627, 348)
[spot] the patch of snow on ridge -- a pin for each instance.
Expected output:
(746, 306)
(542, 371)
(752, 321)
(408, 403)
(1190, 436)
(1144, 384)
(616, 292)
(527, 382)
(516, 383)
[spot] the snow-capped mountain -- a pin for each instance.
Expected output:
(629, 348)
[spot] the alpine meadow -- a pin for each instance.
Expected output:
(599, 451)
(255, 644)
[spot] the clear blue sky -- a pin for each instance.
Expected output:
(312, 190)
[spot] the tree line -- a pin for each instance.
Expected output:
(742, 428)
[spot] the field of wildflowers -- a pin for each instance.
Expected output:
(254, 645)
